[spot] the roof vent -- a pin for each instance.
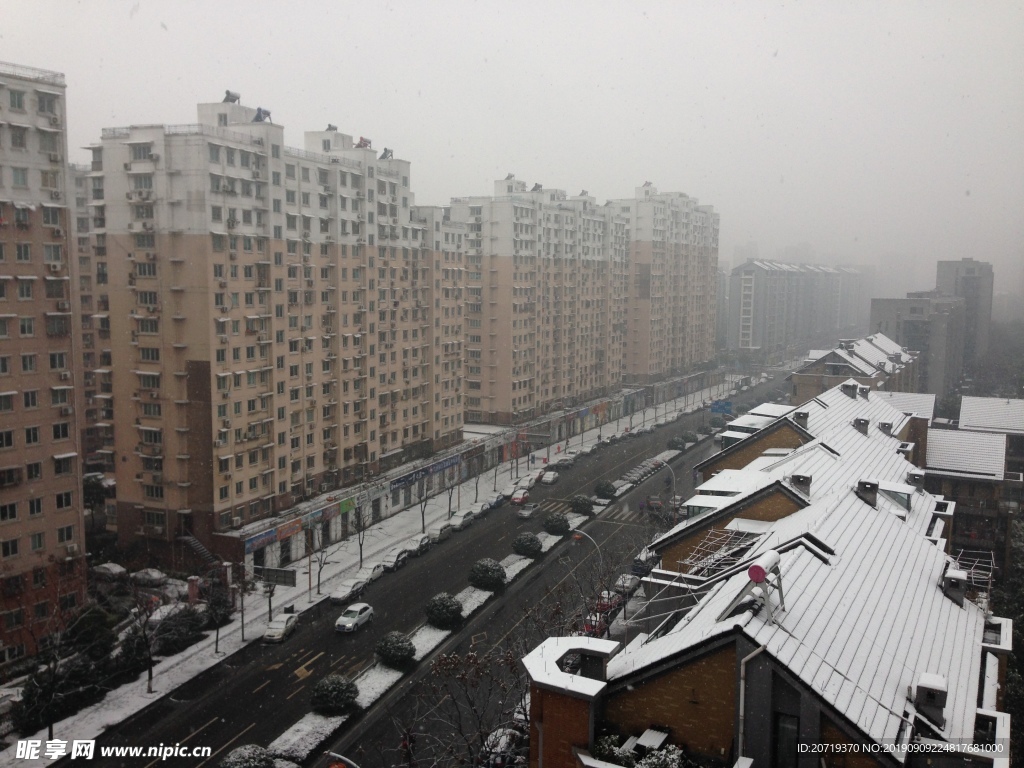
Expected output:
(867, 491)
(895, 357)
(861, 425)
(954, 585)
(850, 389)
(885, 426)
(906, 449)
(802, 483)
(801, 417)
(847, 344)
(930, 697)
(864, 391)
(915, 477)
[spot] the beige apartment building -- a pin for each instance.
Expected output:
(279, 325)
(544, 300)
(672, 284)
(41, 520)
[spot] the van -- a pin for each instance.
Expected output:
(439, 532)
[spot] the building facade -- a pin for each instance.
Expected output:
(41, 518)
(974, 282)
(275, 321)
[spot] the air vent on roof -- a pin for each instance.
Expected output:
(802, 483)
(864, 391)
(800, 417)
(954, 585)
(906, 449)
(930, 697)
(850, 389)
(915, 477)
(861, 425)
(867, 491)
(885, 426)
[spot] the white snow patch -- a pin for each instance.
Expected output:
(427, 638)
(374, 683)
(547, 540)
(514, 565)
(471, 599)
(306, 735)
(281, 763)
(575, 521)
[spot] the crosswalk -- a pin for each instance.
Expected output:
(617, 511)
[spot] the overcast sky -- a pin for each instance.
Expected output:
(889, 133)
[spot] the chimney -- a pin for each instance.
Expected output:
(800, 417)
(861, 425)
(886, 426)
(864, 391)
(802, 483)
(915, 477)
(850, 389)
(867, 491)
(593, 666)
(954, 585)
(930, 697)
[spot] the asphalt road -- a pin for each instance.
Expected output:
(260, 691)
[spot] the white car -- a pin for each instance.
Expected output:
(278, 629)
(370, 572)
(549, 478)
(461, 520)
(354, 617)
(626, 584)
(527, 481)
(349, 589)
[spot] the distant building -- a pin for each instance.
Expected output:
(973, 281)
(930, 325)
(776, 308)
(722, 311)
(42, 533)
(875, 361)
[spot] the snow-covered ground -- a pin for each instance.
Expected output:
(427, 638)
(342, 563)
(306, 735)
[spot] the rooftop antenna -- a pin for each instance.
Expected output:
(231, 97)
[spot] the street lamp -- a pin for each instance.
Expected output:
(578, 536)
(672, 497)
(343, 759)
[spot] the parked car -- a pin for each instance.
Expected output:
(526, 511)
(644, 563)
(278, 629)
(395, 559)
(549, 478)
(418, 544)
(521, 496)
(348, 590)
(355, 616)
(563, 462)
(495, 500)
(527, 481)
(586, 450)
(481, 509)
(654, 504)
(370, 572)
(439, 532)
(626, 584)
(461, 520)
(508, 490)
(595, 625)
(573, 453)
(608, 601)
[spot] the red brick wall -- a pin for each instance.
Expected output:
(783, 437)
(559, 723)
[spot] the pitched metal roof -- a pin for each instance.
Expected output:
(992, 414)
(966, 454)
(910, 402)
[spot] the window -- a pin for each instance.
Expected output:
(64, 500)
(147, 354)
(6, 403)
(17, 100)
(27, 326)
(60, 431)
(24, 290)
(65, 534)
(58, 361)
(35, 507)
(19, 177)
(31, 435)
(31, 398)
(19, 137)
(34, 471)
(23, 252)
(7, 438)
(37, 542)
(9, 548)
(28, 363)
(47, 104)
(8, 512)
(62, 466)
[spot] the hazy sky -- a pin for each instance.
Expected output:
(881, 132)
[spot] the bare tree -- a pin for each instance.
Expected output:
(320, 546)
(361, 526)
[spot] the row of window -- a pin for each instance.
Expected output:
(29, 364)
(60, 432)
(9, 511)
(19, 178)
(25, 290)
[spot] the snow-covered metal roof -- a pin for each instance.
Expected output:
(916, 403)
(992, 414)
(859, 628)
(775, 410)
(966, 454)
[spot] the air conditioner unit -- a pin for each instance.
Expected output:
(158, 530)
(255, 174)
(54, 120)
(220, 444)
(223, 283)
(58, 232)
(128, 167)
(324, 487)
(65, 375)
(71, 548)
(236, 522)
(131, 226)
(153, 157)
(226, 423)
(56, 268)
(154, 395)
(305, 234)
(226, 395)
(223, 339)
(150, 256)
(231, 223)
(232, 255)
(55, 157)
(67, 410)
(223, 310)
(55, 194)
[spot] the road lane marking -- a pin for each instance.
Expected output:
(263, 685)
(303, 671)
(296, 691)
(272, 667)
(200, 729)
(237, 736)
(336, 663)
(479, 637)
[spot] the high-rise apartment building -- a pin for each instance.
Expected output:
(544, 300)
(973, 281)
(672, 289)
(41, 521)
(276, 322)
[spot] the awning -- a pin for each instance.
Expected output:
(51, 205)
(24, 206)
(12, 392)
(62, 386)
(101, 370)
(51, 93)
(58, 314)
(100, 315)
(6, 277)
(47, 128)
(28, 277)
(65, 455)
(65, 277)
(101, 424)
(7, 316)
(222, 234)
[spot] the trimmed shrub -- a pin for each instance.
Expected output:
(334, 695)
(248, 756)
(178, 631)
(717, 422)
(528, 545)
(556, 524)
(605, 489)
(396, 650)
(705, 430)
(444, 611)
(742, 408)
(677, 444)
(487, 574)
(581, 505)
(689, 437)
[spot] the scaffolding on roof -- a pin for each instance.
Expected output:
(979, 565)
(718, 551)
